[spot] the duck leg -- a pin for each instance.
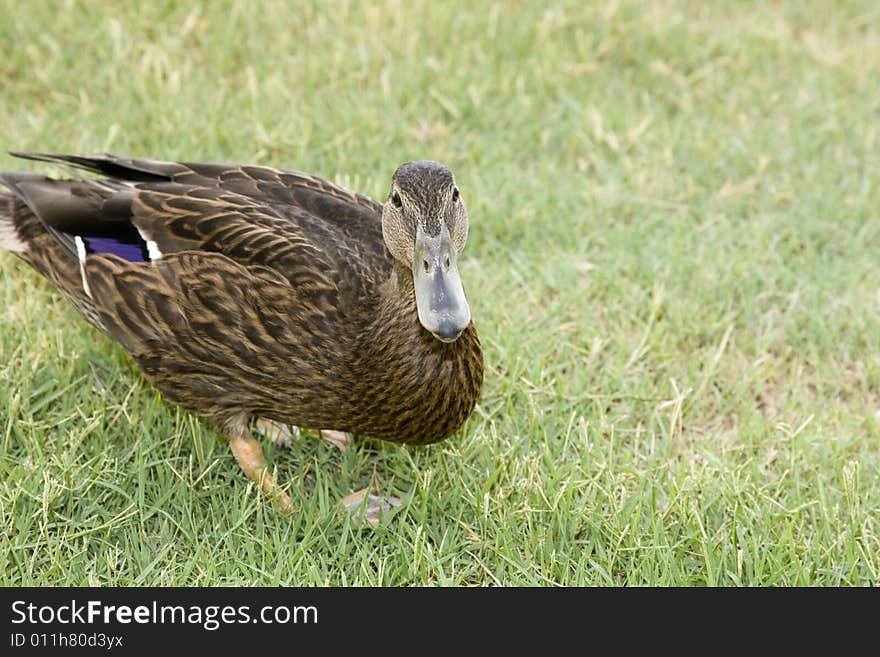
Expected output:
(283, 434)
(249, 454)
(340, 439)
(365, 506)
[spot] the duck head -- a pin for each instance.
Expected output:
(425, 227)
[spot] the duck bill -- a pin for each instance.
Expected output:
(443, 308)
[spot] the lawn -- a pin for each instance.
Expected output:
(672, 263)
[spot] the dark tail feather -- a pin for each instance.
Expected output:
(130, 169)
(48, 250)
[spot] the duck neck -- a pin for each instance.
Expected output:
(412, 387)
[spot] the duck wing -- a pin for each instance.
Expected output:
(352, 219)
(218, 295)
(301, 225)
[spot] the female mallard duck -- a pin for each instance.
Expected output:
(248, 293)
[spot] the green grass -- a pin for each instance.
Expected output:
(675, 224)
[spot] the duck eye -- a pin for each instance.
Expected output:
(395, 199)
(455, 194)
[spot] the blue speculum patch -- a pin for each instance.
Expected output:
(123, 242)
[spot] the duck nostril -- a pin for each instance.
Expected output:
(447, 262)
(426, 266)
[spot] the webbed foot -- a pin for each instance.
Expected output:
(367, 507)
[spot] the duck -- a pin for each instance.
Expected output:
(265, 300)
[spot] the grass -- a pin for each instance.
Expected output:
(675, 220)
